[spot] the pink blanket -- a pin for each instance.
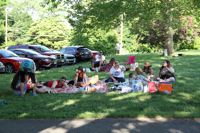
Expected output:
(100, 87)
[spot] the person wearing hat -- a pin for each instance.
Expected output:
(25, 78)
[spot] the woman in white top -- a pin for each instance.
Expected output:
(116, 74)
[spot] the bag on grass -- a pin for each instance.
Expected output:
(165, 88)
(152, 87)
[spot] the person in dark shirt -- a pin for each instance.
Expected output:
(167, 72)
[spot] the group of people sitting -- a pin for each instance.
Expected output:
(25, 80)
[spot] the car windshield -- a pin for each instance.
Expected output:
(31, 52)
(44, 49)
(84, 50)
(6, 54)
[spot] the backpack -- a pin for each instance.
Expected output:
(28, 66)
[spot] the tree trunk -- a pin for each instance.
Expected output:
(168, 43)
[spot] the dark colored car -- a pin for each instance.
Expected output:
(44, 51)
(10, 60)
(2, 67)
(41, 61)
(81, 53)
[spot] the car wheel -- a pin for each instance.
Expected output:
(9, 68)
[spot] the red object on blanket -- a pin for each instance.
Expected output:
(152, 87)
(165, 87)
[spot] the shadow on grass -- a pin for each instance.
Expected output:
(184, 102)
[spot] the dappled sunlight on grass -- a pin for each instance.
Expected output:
(70, 102)
(183, 102)
(122, 97)
(185, 96)
(144, 98)
(172, 100)
(182, 114)
(91, 115)
(53, 103)
(23, 115)
(65, 104)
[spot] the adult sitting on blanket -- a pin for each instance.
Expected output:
(116, 74)
(25, 80)
(107, 67)
(82, 80)
(167, 73)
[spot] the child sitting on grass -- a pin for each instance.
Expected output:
(147, 69)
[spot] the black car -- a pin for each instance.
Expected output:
(41, 61)
(42, 50)
(81, 53)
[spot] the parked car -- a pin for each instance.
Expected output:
(2, 67)
(94, 53)
(41, 61)
(42, 50)
(69, 58)
(10, 60)
(81, 53)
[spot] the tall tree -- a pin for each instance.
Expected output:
(143, 14)
(53, 32)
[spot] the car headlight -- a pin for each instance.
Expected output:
(53, 56)
(46, 60)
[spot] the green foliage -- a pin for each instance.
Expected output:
(53, 32)
(9, 43)
(197, 43)
(20, 22)
(3, 4)
(187, 33)
(100, 40)
(142, 15)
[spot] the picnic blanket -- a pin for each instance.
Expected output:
(99, 87)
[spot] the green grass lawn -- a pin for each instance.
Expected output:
(183, 103)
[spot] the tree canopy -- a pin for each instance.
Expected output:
(52, 32)
(141, 25)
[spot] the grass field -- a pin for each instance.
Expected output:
(183, 103)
